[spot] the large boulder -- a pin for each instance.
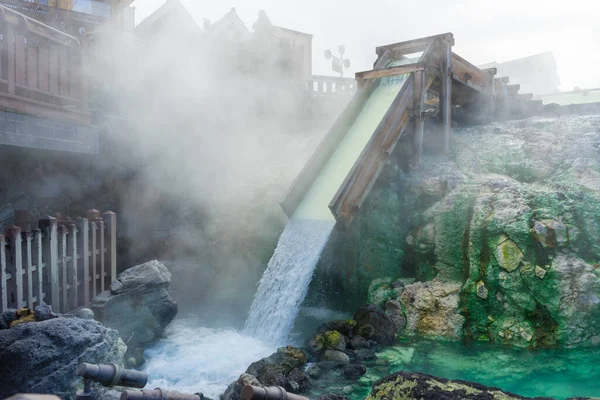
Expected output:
(384, 327)
(42, 357)
(138, 304)
(416, 386)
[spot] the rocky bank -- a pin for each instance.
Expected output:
(500, 243)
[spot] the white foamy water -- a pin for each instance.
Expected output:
(285, 282)
(193, 359)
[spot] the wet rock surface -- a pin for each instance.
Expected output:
(138, 304)
(42, 357)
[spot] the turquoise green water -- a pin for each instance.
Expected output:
(315, 204)
(549, 373)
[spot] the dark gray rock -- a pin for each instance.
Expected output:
(384, 328)
(272, 375)
(6, 318)
(42, 357)
(336, 356)
(354, 371)
(359, 342)
(138, 304)
(297, 381)
(84, 313)
(43, 312)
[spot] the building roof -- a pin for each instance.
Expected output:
(546, 57)
(171, 7)
(230, 22)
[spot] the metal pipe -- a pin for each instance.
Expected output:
(250, 392)
(158, 394)
(112, 375)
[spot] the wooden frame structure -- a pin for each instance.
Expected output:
(438, 70)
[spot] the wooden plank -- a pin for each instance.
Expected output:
(74, 273)
(3, 275)
(43, 110)
(110, 221)
(416, 45)
(419, 109)
(357, 184)
(319, 158)
(102, 267)
(32, 62)
(62, 253)
(446, 98)
(29, 269)
(50, 257)
(490, 71)
(469, 75)
(513, 90)
(84, 246)
(20, 67)
(94, 257)
(503, 79)
(16, 247)
(391, 71)
(40, 266)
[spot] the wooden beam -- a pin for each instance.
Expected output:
(419, 91)
(391, 71)
(416, 45)
(446, 98)
(471, 76)
(513, 90)
(503, 79)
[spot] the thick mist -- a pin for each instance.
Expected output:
(201, 140)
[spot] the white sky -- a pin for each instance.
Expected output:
(484, 30)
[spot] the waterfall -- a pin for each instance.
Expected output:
(285, 282)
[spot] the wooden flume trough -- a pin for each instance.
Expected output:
(438, 71)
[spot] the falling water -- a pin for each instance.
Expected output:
(285, 282)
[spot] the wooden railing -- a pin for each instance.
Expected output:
(41, 70)
(63, 262)
(320, 85)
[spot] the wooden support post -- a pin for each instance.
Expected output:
(50, 256)
(84, 247)
(74, 272)
(64, 270)
(110, 220)
(17, 263)
(446, 98)
(102, 257)
(40, 266)
(419, 109)
(29, 270)
(3, 275)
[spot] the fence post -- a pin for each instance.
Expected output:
(50, 256)
(40, 266)
(110, 220)
(63, 266)
(102, 268)
(3, 283)
(29, 270)
(17, 258)
(74, 274)
(85, 250)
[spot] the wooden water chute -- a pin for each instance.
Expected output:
(439, 71)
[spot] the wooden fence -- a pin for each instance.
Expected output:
(63, 262)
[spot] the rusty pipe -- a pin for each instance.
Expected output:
(250, 392)
(112, 375)
(158, 394)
